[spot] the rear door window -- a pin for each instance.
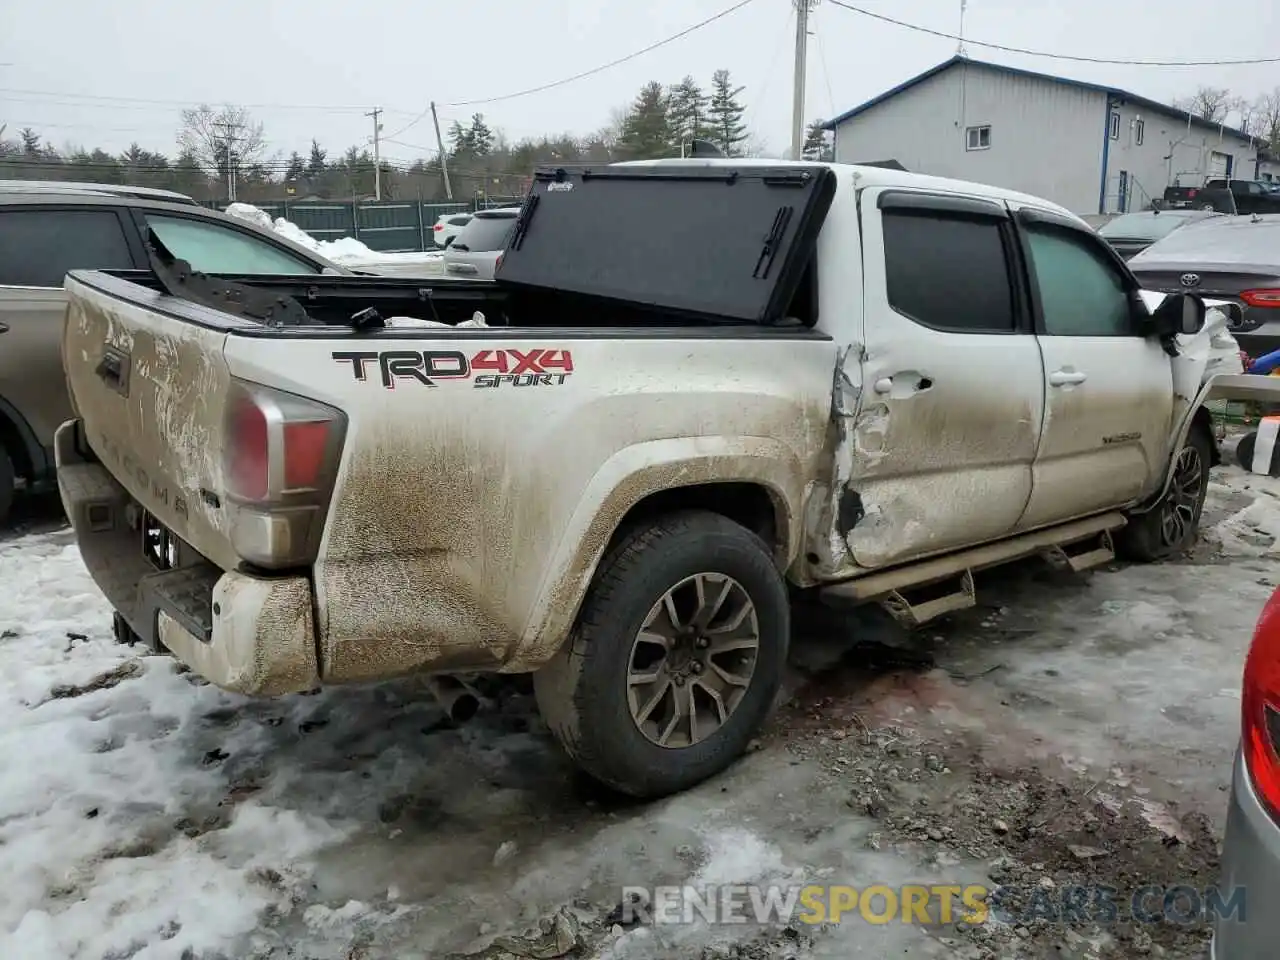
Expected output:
(216, 248)
(485, 234)
(947, 271)
(38, 247)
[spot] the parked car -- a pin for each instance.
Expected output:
(615, 474)
(1132, 233)
(45, 233)
(1230, 258)
(1251, 847)
(1218, 199)
(474, 254)
(1250, 196)
(112, 189)
(447, 227)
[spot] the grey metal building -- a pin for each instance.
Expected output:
(1091, 148)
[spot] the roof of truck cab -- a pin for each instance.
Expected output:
(874, 177)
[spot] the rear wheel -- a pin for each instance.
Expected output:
(1172, 525)
(8, 484)
(676, 657)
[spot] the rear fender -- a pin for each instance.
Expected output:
(628, 477)
(1236, 386)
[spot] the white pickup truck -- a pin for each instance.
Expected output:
(850, 380)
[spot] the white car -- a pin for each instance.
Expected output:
(475, 252)
(617, 476)
(448, 226)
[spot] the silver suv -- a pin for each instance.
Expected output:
(46, 231)
(475, 253)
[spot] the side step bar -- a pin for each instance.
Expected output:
(1079, 545)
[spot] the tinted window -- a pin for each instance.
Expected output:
(459, 221)
(948, 272)
(1081, 291)
(214, 248)
(485, 234)
(38, 247)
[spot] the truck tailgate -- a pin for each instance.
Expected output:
(150, 386)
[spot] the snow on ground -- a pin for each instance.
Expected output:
(347, 251)
(145, 814)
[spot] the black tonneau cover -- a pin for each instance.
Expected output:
(716, 241)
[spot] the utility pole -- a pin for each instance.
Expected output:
(444, 157)
(377, 156)
(960, 50)
(803, 8)
(229, 129)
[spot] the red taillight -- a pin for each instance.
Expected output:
(305, 445)
(1262, 297)
(281, 454)
(439, 226)
(248, 454)
(1192, 192)
(1261, 707)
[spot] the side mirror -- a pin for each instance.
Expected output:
(1179, 313)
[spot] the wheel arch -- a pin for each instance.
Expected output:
(30, 460)
(1231, 386)
(757, 482)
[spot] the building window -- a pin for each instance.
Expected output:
(1115, 125)
(1138, 130)
(978, 138)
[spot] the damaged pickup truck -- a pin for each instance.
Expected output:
(609, 467)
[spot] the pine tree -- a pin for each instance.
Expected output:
(724, 111)
(30, 142)
(646, 132)
(480, 137)
(297, 168)
(686, 111)
(816, 144)
(316, 163)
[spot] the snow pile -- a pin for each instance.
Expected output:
(345, 250)
(120, 833)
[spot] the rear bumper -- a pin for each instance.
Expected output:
(1250, 859)
(247, 634)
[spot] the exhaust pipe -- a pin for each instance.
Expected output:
(455, 696)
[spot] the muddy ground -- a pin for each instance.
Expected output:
(1071, 733)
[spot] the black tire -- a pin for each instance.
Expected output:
(8, 483)
(582, 692)
(1155, 535)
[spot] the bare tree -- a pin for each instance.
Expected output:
(1209, 103)
(206, 133)
(1265, 119)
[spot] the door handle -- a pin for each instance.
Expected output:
(1062, 378)
(4, 328)
(908, 382)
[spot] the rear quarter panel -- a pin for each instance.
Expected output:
(468, 518)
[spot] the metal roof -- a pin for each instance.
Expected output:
(1125, 95)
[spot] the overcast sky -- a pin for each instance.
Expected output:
(310, 68)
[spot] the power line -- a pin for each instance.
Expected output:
(1051, 56)
(579, 76)
(84, 99)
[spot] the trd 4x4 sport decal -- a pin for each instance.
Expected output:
(535, 367)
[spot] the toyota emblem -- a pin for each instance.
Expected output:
(1190, 279)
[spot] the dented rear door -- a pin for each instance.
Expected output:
(948, 417)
